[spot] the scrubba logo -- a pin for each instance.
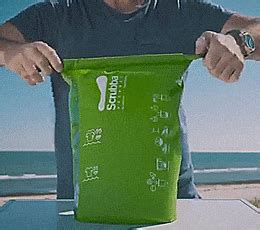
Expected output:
(113, 85)
(111, 94)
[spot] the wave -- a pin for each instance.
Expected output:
(227, 170)
(27, 177)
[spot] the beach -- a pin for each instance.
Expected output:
(230, 191)
(218, 191)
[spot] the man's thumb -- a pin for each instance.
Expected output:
(202, 43)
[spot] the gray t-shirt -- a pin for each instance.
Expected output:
(89, 28)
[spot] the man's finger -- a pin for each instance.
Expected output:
(32, 72)
(222, 64)
(227, 75)
(22, 73)
(201, 46)
(235, 76)
(41, 62)
(44, 67)
(211, 60)
(25, 76)
(51, 55)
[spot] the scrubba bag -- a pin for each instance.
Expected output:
(125, 135)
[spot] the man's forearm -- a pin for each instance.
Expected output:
(4, 46)
(247, 24)
(9, 37)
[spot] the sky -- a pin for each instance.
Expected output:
(220, 116)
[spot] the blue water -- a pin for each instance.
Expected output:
(35, 172)
(27, 172)
(211, 168)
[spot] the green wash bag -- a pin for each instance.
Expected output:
(125, 135)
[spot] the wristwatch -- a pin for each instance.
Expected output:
(244, 40)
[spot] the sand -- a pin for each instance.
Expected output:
(230, 191)
(5, 199)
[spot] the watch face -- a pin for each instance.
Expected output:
(249, 41)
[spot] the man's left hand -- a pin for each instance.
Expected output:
(222, 55)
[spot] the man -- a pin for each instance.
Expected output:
(33, 43)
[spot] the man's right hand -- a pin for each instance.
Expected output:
(32, 61)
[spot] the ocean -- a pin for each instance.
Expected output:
(35, 172)
(226, 167)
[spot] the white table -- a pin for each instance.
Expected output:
(191, 214)
(214, 215)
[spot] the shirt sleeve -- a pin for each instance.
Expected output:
(198, 16)
(38, 22)
(204, 15)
